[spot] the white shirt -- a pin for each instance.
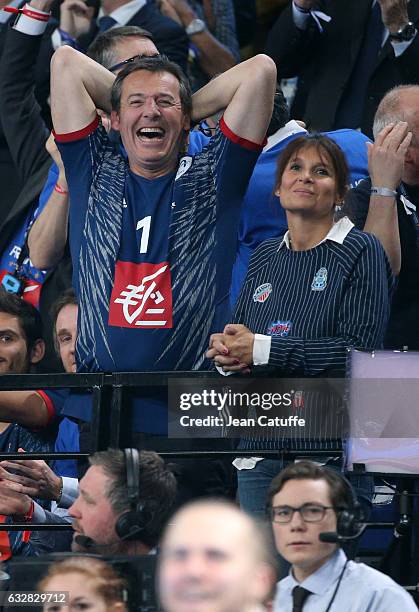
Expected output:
(362, 589)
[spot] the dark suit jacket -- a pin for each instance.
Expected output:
(403, 326)
(11, 178)
(26, 135)
(169, 37)
(324, 61)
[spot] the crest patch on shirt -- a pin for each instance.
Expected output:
(262, 293)
(320, 280)
(279, 328)
(141, 296)
(184, 165)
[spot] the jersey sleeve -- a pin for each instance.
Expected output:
(54, 401)
(82, 153)
(232, 159)
(47, 188)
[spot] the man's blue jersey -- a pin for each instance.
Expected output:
(152, 259)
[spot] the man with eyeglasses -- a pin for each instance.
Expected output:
(304, 501)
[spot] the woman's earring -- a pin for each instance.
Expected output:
(337, 214)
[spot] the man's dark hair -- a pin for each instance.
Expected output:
(29, 318)
(154, 64)
(66, 298)
(325, 147)
(280, 112)
(340, 491)
(102, 49)
(157, 488)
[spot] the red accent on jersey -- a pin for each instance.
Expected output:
(247, 144)
(141, 296)
(32, 292)
(79, 134)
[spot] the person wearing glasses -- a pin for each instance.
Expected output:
(304, 501)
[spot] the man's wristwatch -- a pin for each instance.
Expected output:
(404, 34)
(195, 27)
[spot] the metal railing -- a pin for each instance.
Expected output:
(107, 391)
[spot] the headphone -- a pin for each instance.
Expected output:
(349, 520)
(133, 523)
(349, 526)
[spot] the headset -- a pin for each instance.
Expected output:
(133, 523)
(349, 525)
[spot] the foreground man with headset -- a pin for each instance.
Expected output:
(313, 509)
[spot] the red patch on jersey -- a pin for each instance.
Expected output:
(141, 296)
(32, 292)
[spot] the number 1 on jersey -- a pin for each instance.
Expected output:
(144, 224)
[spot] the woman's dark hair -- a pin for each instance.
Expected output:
(325, 147)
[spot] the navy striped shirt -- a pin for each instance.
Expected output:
(316, 304)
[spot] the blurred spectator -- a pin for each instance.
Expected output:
(78, 29)
(210, 25)
(346, 57)
(214, 557)
(36, 478)
(64, 317)
(391, 211)
(89, 584)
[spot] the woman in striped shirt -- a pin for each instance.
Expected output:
(308, 297)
